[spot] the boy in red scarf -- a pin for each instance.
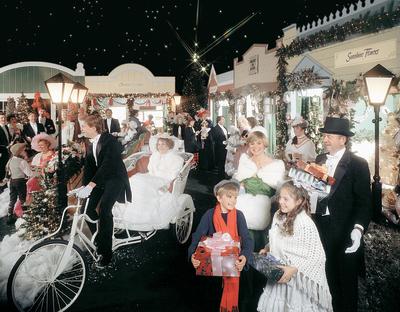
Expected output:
(226, 219)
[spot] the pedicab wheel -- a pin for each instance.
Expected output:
(31, 285)
(183, 226)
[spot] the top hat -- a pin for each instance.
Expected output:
(335, 125)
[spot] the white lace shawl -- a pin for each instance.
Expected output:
(165, 166)
(272, 174)
(304, 251)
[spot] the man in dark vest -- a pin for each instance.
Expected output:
(343, 216)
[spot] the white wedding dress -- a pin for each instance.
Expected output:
(152, 206)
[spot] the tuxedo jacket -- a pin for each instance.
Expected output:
(3, 136)
(49, 126)
(350, 198)
(109, 168)
(115, 127)
(175, 130)
(218, 136)
(27, 130)
(191, 144)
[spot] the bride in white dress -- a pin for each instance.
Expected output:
(153, 206)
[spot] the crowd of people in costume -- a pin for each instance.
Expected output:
(321, 249)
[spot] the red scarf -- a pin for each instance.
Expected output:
(230, 294)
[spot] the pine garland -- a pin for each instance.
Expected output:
(282, 134)
(303, 79)
(363, 25)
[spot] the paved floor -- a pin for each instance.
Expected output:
(154, 275)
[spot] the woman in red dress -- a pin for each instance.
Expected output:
(44, 144)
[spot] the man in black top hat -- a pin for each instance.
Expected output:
(343, 216)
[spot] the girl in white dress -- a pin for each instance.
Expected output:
(294, 239)
(300, 147)
(260, 176)
(153, 206)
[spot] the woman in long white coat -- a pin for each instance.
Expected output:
(153, 206)
(260, 176)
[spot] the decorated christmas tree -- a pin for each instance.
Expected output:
(43, 215)
(194, 92)
(10, 109)
(23, 109)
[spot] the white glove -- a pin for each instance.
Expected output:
(85, 192)
(356, 239)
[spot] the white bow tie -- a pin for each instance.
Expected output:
(332, 157)
(93, 140)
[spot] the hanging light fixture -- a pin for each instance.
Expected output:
(78, 93)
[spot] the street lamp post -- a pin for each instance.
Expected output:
(377, 81)
(59, 88)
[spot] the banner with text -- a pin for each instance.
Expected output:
(384, 50)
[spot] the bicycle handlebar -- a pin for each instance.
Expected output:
(74, 192)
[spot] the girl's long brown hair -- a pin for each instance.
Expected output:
(298, 193)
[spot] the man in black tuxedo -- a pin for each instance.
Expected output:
(32, 128)
(343, 216)
(111, 125)
(5, 139)
(178, 128)
(219, 136)
(106, 181)
(47, 123)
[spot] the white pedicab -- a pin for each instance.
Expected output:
(51, 274)
(181, 222)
